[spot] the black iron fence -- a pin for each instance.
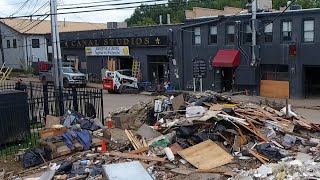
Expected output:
(43, 100)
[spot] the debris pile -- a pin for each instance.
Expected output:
(204, 134)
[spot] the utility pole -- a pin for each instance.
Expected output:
(54, 44)
(58, 47)
(57, 60)
(254, 5)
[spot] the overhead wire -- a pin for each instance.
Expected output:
(88, 3)
(98, 10)
(20, 8)
(27, 25)
(12, 4)
(115, 4)
(220, 23)
(20, 23)
(85, 21)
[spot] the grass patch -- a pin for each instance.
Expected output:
(14, 147)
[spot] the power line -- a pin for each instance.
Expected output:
(277, 16)
(20, 23)
(86, 11)
(86, 21)
(42, 7)
(116, 4)
(218, 23)
(89, 3)
(21, 7)
(95, 10)
(12, 4)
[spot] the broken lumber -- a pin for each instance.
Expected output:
(138, 151)
(256, 155)
(242, 121)
(134, 156)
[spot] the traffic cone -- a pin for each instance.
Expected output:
(109, 122)
(103, 146)
(156, 125)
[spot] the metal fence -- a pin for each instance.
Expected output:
(43, 100)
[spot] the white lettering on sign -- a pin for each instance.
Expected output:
(107, 51)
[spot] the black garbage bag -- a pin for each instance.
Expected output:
(269, 151)
(32, 157)
(90, 110)
(183, 143)
(229, 111)
(65, 167)
(186, 131)
(209, 99)
(200, 137)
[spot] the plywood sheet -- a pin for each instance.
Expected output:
(206, 155)
(275, 89)
(177, 102)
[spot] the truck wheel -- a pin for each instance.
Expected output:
(65, 83)
(44, 81)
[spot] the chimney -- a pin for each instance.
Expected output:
(168, 19)
(160, 19)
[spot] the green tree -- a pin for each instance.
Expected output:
(149, 15)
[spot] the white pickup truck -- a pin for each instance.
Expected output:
(71, 77)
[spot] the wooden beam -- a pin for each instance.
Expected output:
(138, 151)
(256, 155)
(134, 156)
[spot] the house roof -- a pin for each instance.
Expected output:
(25, 26)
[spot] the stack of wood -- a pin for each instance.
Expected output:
(139, 144)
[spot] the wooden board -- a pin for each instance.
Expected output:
(206, 155)
(134, 156)
(52, 132)
(177, 102)
(275, 89)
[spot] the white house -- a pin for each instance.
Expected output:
(24, 42)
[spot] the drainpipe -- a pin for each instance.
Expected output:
(27, 52)
(1, 46)
(254, 32)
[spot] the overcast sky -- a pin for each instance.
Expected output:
(10, 6)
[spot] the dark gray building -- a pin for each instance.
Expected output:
(155, 47)
(288, 45)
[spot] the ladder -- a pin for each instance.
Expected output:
(4, 74)
(136, 72)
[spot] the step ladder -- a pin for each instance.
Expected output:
(136, 71)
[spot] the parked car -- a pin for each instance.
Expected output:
(71, 77)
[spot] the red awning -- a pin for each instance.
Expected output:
(227, 58)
